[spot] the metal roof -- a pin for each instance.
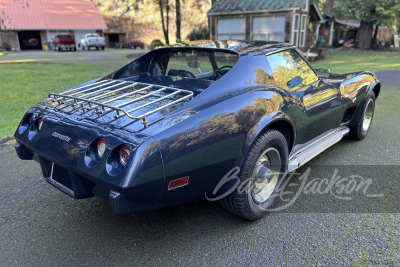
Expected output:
(252, 6)
(50, 14)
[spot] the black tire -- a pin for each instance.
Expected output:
(97, 48)
(361, 129)
(244, 204)
(102, 48)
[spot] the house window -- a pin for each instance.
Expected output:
(305, 6)
(295, 29)
(303, 30)
(231, 29)
(270, 28)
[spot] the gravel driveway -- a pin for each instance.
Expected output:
(41, 226)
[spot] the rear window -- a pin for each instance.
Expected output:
(193, 63)
(196, 62)
(64, 36)
(93, 35)
(179, 63)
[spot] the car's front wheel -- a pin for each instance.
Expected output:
(361, 129)
(261, 172)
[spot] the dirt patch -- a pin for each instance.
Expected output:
(6, 141)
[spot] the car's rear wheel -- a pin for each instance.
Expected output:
(361, 130)
(261, 172)
(102, 48)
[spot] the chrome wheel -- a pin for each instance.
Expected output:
(368, 114)
(265, 175)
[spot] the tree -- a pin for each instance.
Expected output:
(164, 21)
(178, 20)
(391, 10)
(370, 13)
(142, 19)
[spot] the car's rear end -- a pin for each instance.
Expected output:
(87, 141)
(96, 41)
(64, 41)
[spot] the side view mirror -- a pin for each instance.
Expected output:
(294, 82)
(323, 73)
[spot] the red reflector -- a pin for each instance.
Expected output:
(178, 182)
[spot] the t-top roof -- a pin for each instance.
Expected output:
(50, 14)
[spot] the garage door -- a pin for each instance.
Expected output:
(269, 28)
(231, 29)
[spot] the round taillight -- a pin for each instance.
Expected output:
(124, 154)
(35, 128)
(101, 147)
(39, 123)
(25, 123)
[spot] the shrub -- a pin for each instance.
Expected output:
(155, 43)
(201, 33)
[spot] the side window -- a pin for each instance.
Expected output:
(290, 71)
(225, 59)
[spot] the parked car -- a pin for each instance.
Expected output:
(93, 40)
(167, 127)
(135, 44)
(31, 42)
(64, 41)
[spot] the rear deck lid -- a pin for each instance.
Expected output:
(120, 104)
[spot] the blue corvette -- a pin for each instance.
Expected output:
(171, 125)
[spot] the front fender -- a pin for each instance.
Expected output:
(355, 90)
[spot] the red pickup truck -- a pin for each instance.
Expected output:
(64, 41)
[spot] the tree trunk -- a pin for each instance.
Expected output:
(328, 7)
(178, 20)
(164, 28)
(396, 31)
(375, 42)
(167, 7)
(364, 35)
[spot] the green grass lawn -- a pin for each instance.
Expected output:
(344, 61)
(22, 85)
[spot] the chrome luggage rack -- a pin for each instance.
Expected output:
(100, 95)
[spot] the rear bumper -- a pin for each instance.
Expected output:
(66, 46)
(96, 45)
(79, 185)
